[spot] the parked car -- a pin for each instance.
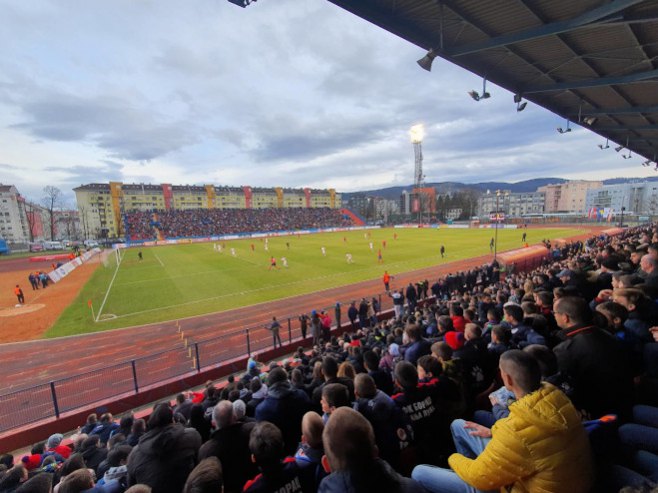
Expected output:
(36, 247)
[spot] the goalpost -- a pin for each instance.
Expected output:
(112, 258)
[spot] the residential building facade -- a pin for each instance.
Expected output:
(102, 205)
(636, 198)
(13, 221)
(511, 204)
(569, 196)
(22, 221)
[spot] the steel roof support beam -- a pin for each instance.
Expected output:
(619, 111)
(598, 82)
(589, 18)
(621, 128)
(390, 22)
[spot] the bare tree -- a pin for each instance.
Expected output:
(31, 210)
(68, 221)
(84, 221)
(52, 201)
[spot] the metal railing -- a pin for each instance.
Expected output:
(47, 400)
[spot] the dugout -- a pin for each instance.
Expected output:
(525, 258)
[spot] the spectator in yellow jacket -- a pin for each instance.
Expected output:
(540, 447)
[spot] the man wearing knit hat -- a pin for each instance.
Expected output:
(54, 444)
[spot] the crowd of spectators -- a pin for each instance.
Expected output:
(141, 225)
(542, 381)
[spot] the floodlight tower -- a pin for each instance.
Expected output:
(417, 132)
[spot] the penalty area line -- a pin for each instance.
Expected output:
(158, 259)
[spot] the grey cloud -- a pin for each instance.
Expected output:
(184, 61)
(123, 128)
(502, 134)
(77, 174)
(317, 139)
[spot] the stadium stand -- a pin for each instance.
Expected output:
(192, 223)
(554, 368)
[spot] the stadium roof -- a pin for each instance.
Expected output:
(594, 62)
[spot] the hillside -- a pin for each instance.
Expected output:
(451, 186)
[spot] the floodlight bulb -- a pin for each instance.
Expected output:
(417, 133)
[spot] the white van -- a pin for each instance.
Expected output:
(53, 245)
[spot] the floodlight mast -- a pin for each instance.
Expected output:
(417, 133)
(418, 163)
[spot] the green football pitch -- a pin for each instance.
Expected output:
(185, 280)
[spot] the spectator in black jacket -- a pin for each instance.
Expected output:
(230, 444)
(382, 378)
(420, 408)
(475, 360)
(352, 314)
(384, 416)
(412, 297)
(92, 421)
(200, 422)
(591, 362)
(183, 406)
(284, 406)
(125, 425)
(93, 452)
(351, 456)
(330, 373)
(364, 320)
(166, 453)
(278, 472)
(136, 431)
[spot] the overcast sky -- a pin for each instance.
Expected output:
(283, 93)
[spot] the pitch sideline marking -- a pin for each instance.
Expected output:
(107, 293)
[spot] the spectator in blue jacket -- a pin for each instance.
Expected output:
(105, 427)
(418, 346)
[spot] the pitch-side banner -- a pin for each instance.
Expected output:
(64, 270)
